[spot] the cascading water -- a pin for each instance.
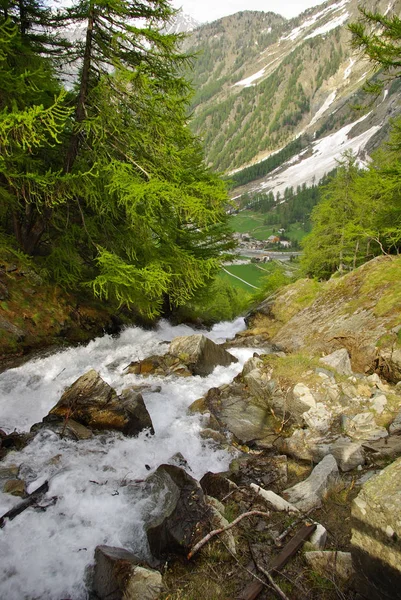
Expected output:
(45, 555)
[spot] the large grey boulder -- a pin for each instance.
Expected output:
(249, 418)
(338, 360)
(200, 354)
(179, 515)
(118, 576)
(376, 535)
(93, 403)
(309, 493)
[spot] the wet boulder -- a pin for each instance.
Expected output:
(200, 354)
(159, 365)
(118, 575)
(93, 403)
(179, 516)
(376, 535)
(66, 428)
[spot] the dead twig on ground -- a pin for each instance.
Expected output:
(215, 532)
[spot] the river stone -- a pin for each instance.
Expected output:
(93, 403)
(67, 429)
(200, 354)
(318, 418)
(118, 576)
(179, 516)
(309, 493)
(304, 444)
(318, 538)
(376, 535)
(363, 427)
(378, 403)
(338, 360)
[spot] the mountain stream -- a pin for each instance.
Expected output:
(45, 554)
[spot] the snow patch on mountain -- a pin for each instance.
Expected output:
(333, 24)
(329, 100)
(348, 70)
(326, 153)
(312, 20)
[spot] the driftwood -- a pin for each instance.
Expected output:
(252, 591)
(215, 532)
(29, 501)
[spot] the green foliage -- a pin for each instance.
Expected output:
(378, 36)
(105, 185)
(219, 301)
(359, 216)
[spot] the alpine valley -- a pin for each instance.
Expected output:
(265, 84)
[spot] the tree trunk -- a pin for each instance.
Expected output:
(83, 91)
(355, 254)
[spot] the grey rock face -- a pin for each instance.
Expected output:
(395, 426)
(376, 535)
(200, 354)
(309, 493)
(247, 417)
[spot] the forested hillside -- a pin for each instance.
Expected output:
(102, 183)
(262, 81)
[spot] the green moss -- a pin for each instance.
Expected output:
(295, 298)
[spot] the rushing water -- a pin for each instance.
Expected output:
(45, 555)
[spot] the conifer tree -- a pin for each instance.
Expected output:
(127, 205)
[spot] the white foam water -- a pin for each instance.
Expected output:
(46, 555)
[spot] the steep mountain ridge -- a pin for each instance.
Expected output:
(262, 81)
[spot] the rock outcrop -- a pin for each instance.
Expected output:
(93, 403)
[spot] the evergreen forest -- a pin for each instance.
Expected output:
(102, 185)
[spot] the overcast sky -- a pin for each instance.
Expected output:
(209, 10)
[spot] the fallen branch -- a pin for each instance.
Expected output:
(270, 579)
(215, 532)
(29, 501)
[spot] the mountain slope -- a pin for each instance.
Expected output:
(261, 81)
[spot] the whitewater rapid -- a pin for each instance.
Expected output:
(46, 555)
